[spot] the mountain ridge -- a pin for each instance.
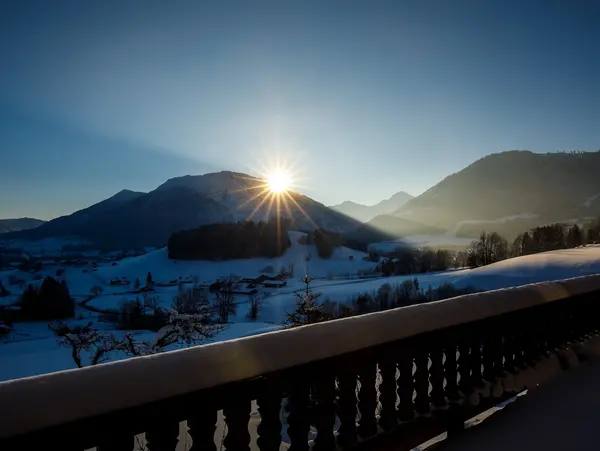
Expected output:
(18, 224)
(365, 213)
(512, 190)
(133, 219)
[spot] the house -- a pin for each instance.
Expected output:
(274, 283)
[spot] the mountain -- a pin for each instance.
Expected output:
(510, 192)
(15, 225)
(131, 219)
(80, 220)
(364, 213)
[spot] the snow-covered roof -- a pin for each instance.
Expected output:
(30, 403)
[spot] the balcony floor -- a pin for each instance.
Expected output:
(561, 415)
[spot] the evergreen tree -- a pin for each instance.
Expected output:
(526, 244)
(308, 309)
(574, 237)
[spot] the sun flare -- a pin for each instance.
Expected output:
(279, 182)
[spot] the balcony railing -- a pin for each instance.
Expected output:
(394, 378)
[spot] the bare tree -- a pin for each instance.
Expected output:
(225, 304)
(84, 339)
(256, 301)
(189, 328)
(190, 300)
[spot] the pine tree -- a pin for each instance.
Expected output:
(526, 245)
(149, 281)
(308, 309)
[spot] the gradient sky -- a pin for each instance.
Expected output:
(364, 99)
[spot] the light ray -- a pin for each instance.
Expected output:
(302, 210)
(258, 206)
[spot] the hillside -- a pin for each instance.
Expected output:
(131, 219)
(365, 213)
(511, 192)
(15, 225)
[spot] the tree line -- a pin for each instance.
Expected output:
(492, 247)
(226, 241)
(51, 300)
(403, 261)
(309, 309)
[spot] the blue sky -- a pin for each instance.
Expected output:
(363, 99)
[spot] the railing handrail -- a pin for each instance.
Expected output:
(37, 402)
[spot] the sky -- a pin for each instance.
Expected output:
(358, 99)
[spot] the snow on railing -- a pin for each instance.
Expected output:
(493, 329)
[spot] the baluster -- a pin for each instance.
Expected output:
(367, 399)
(499, 352)
(475, 362)
(388, 392)
(163, 436)
(487, 358)
(464, 370)
(493, 365)
(519, 340)
(347, 410)
(324, 419)
(406, 387)
(508, 346)
(269, 428)
(201, 428)
(436, 378)
(298, 419)
(451, 373)
(236, 419)
(421, 378)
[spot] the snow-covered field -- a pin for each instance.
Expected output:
(32, 349)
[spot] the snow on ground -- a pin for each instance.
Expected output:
(553, 265)
(33, 350)
(301, 256)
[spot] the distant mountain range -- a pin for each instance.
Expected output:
(15, 225)
(508, 192)
(365, 213)
(134, 219)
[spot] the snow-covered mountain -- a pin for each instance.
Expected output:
(511, 192)
(131, 219)
(15, 225)
(365, 213)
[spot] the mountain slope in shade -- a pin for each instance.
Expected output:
(365, 213)
(18, 224)
(137, 219)
(73, 224)
(510, 192)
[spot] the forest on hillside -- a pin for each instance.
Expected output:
(227, 241)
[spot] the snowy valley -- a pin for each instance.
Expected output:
(31, 348)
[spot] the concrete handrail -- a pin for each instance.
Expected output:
(37, 402)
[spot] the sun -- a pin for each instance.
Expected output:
(279, 182)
